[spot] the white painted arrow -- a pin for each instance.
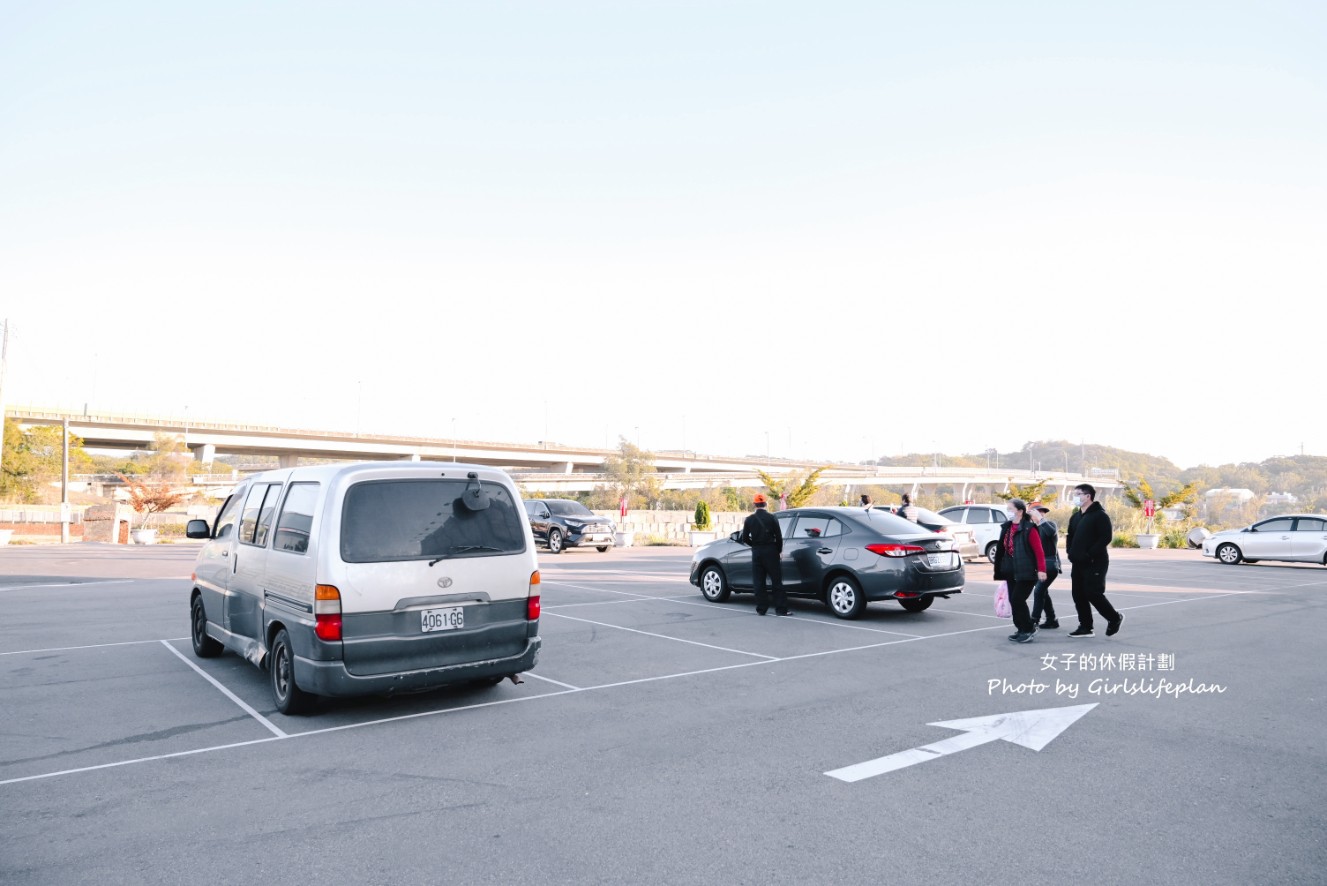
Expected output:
(1031, 729)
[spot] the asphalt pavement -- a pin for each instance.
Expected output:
(665, 739)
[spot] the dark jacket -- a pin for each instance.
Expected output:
(1089, 536)
(1027, 557)
(1050, 543)
(760, 529)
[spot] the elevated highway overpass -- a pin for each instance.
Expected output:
(540, 467)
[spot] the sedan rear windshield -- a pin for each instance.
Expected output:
(386, 520)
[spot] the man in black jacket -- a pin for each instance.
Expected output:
(1089, 537)
(761, 531)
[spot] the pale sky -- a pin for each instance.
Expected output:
(831, 229)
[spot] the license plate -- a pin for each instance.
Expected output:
(442, 619)
(939, 561)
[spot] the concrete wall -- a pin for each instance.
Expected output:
(673, 525)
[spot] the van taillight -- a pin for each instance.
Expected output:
(327, 612)
(532, 602)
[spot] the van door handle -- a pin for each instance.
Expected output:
(225, 553)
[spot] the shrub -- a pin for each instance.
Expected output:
(1124, 540)
(702, 516)
(1175, 538)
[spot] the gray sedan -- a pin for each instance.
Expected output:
(1298, 538)
(843, 557)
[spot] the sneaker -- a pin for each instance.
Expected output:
(784, 612)
(1049, 625)
(1083, 632)
(1014, 636)
(1113, 627)
(1026, 638)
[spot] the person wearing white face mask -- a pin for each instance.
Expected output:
(1088, 540)
(1020, 561)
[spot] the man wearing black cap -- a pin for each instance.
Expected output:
(1050, 539)
(761, 531)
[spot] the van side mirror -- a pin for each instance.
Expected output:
(197, 529)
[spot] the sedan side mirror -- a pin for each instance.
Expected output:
(733, 536)
(197, 529)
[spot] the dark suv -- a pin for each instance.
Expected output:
(560, 523)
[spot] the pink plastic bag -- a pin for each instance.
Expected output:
(1002, 608)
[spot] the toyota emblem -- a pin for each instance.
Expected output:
(444, 582)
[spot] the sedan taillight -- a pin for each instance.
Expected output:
(894, 550)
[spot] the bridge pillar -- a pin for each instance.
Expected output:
(414, 456)
(566, 467)
(963, 495)
(207, 453)
(287, 460)
(915, 486)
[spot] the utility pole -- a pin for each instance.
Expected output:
(4, 365)
(64, 481)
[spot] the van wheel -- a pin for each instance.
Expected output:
(603, 549)
(289, 698)
(204, 646)
(990, 551)
(713, 586)
(845, 598)
(555, 541)
(917, 604)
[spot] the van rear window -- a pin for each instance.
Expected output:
(425, 519)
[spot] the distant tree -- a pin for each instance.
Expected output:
(1029, 493)
(632, 473)
(147, 499)
(799, 491)
(34, 458)
(1137, 497)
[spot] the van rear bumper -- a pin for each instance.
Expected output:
(332, 679)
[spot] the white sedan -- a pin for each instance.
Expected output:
(1297, 538)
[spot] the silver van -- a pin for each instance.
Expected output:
(358, 579)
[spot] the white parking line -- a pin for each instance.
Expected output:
(549, 680)
(226, 692)
(604, 624)
(718, 607)
(66, 584)
(94, 646)
(766, 660)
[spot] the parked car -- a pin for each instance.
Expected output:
(1296, 538)
(983, 520)
(844, 557)
(369, 578)
(965, 540)
(561, 523)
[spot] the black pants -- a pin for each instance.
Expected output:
(1018, 602)
(1089, 589)
(765, 563)
(1041, 599)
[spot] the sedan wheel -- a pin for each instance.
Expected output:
(713, 586)
(916, 604)
(845, 597)
(554, 541)
(1228, 554)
